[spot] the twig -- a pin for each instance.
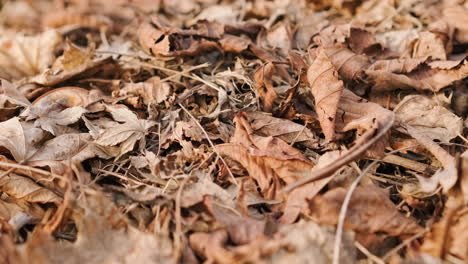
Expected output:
(178, 221)
(352, 154)
(344, 208)
(39, 171)
(403, 244)
(369, 255)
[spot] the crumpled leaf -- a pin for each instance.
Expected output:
(127, 133)
(446, 177)
(295, 243)
(25, 56)
(241, 229)
(195, 192)
(326, 89)
(311, 241)
(58, 152)
(428, 76)
(58, 108)
(369, 211)
(25, 189)
(19, 138)
(265, 124)
(264, 85)
(152, 91)
(429, 45)
(429, 118)
(73, 62)
(456, 16)
(270, 161)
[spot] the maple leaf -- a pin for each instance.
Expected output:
(127, 133)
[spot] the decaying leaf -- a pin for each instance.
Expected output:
(152, 91)
(428, 76)
(449, 235)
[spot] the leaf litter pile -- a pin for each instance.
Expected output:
(217, 131)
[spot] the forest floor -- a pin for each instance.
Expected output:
(250, 131)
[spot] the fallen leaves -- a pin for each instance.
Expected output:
(233, 131)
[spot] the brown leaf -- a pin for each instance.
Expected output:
(369, 211)
(429, 45)
(429, 118)
(429, 77)
(264, 85)
(265, 124)
(241, 229)
(298, 199)
(74, 61)
(326, 89)
(449, 235)
(19, 138)
(24, 188)
(11, 93)
(308, 240)
(195, 192)
(25, 56)
(456, 16)
(363, 42)
(356, 113)
(270, 161)
(151, 91)
(211, 246)
(231, 43)
(126, 134)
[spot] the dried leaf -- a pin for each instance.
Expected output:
(126, 133)
(270, 161)
(25, 56)
(326, 89)
(264, 85)
(429, 118)
(369, 211)
(152, 91)
(265, 124)
(24, 188)
(425, 77)
(19, 138)
(241, 229)
(298, 199)
(10, 93)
